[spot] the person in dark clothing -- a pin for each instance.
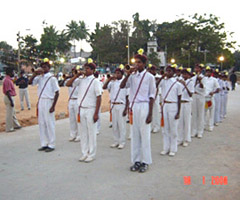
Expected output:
(22, 82)
(233, 79)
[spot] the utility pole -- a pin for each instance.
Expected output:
(128, 46)
(19, 50)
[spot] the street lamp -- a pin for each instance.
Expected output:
(172, 60)
(133, 60)
(221, 59)
(62, 60)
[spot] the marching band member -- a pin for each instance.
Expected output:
(89, 101)
(225, 96)
(48, 93)
(212, 87)
(155, 125)
(141, 97)
(217, 99)
(119, 106)
(73, 109)
(198, 103)
(184, 134)
(171, 105)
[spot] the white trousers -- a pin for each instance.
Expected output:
(209, 115)
(141, 134)
(156, 116)
(184, 126)
(222, 102)
(46, 121)
(24, 93)
(119, 124)
(88, 132)
(73, 112)
(225, 99)
(198, 109)
(170, 132)
(11, 120)
(217, 99)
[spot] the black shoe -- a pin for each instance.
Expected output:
(135, 167)
(43, 148)
(18, 127)
(49, 149)
(143, 168)
(29, 108)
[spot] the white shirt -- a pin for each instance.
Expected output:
(190, 86)
(113, 88)
(197, 88)
(70, 90)
(226, 85)
(51, 86)
(211, 84)
(94, 91)
(175, 91)
(147, 89)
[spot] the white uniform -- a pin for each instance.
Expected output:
(73, 111)
(118, 105)
(170, 133)
(87, 127)
(217, 99)
(198, 107)
(211, 86)
(184, 126)
(155, 125)
(225, 98)
(46, 120)
(141, 136)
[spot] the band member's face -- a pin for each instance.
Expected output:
(88, 71)
(185, 75)
(208, 73)
(45, 68)
(197, 70)
(169, 72)
(152, 71)
(178, 72)
(139, 64)
(118, 75)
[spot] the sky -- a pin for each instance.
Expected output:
(27, 16)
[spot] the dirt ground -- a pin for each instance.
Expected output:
(28, 117)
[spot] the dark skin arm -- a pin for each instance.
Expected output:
(216, 91)
(70, 82)
(52, 109)
(159, 80)
(149, 117)
(98, 104)
(184, 84)
(124, 81)
(179, 107)
(200, 81)
(106, 84)
(10, 98)
(126, 107)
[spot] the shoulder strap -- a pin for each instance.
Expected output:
(44, 87)
(138, 90)
(169, 91)
(115, 98)
(70, 96)
(187, 84)
(86, 91)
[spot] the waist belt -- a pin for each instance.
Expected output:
(169, 102)
(117, 103)
(73, 98)
(184, 101)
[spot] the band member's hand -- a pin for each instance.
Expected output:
(95, 118)
(39, 71)
(211, 93)
(52, 109)
(124, 112)
(149, 119)
(177, 116)
(183, 82)
(12, 104)
(199, 78)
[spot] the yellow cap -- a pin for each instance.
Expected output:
(194, 73)
(45, 60)
(201, 65)
(149, 65)
(208, 68)
(121, 66)
(174, 66)
(189, 69)
(78, 67)
(180, 68)
(90, 60)
(217, 70)
(226, 73)
(140, 51)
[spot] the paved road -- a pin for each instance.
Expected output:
(26, 174)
